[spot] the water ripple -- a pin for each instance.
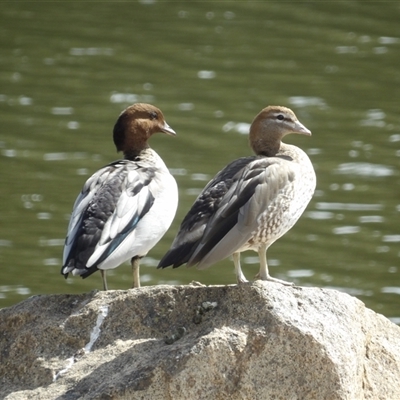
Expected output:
(348, 206)
(62, 110)
(206, 74)
(240, 127)
(200, 177)
(51, 242)
(64, 156)
(364, 169)
(371, 219)
(391, 238)
(374, 117)
(131, 98)
(91, 51)
(304, 101)
(319, 214)
(391, 289)
(346, 230)
(388, 40)
(300, 273)
(394, 138)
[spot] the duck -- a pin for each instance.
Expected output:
(126, 207)
(251, 202)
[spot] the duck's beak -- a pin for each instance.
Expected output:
(167, 129)
(300, 128)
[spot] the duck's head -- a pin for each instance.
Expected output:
(270, 126)
(135, 125)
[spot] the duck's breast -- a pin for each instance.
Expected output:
(295, 183)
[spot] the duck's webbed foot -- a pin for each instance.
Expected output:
(271, 279)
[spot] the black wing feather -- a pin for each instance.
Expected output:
(203, 209)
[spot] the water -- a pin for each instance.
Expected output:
(68, 69)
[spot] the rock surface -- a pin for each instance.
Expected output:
(253, 341)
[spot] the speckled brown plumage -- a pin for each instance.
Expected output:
(252, 202)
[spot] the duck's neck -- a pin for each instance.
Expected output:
(264, 146)
(263, 139)
(137, 152)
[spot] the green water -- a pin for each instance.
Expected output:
(67, 69)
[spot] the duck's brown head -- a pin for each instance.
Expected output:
(270, 126)
(135, 125)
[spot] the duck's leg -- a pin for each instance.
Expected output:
(104, 278)
(135, 261)
(263, 274)
(238, 270)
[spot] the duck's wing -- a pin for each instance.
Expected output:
(204, 207)
(262, 191)
(110, 206)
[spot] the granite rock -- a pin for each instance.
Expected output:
(259, 340)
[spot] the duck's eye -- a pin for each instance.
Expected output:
(280, 117)
(153, 115)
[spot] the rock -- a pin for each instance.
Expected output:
(253, 341)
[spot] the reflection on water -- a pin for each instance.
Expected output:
(348, 206)
(16, 290)
(364, 169)
(67, 73)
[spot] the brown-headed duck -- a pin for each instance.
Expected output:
(125, 208)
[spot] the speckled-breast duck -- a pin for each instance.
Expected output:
(252, 202)
(126, 207)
